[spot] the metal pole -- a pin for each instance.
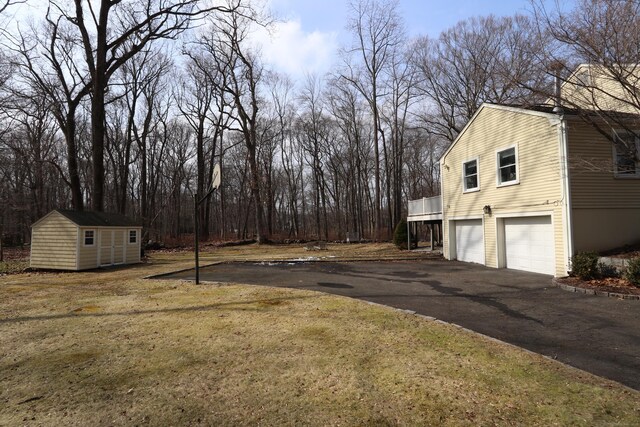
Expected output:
(195, 226)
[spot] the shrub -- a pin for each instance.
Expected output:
(633, 272)
(607, 270)
(400, 235)
(585, 265)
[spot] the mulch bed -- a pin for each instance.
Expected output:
(616, 285)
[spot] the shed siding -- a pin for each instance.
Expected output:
(133, 249)
(118, 246)
(606, 209)
(536, 139)
(53, 243)
(88, 255)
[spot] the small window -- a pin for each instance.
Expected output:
(89, 237)
(584, 78)
(626, 152)
(133, 236)
(507, 167)
(470, 175)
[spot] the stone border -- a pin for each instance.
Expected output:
(579, 290)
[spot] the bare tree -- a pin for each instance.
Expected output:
(226, 43)
(109, 34)
(46, 63)
(378, 32)
(4, 5)
(604, 36)
(479, 60)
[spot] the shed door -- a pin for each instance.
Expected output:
(529, 244)
(106, 247)
(469, 241)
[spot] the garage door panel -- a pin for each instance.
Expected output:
(529, 244)
(469, 241)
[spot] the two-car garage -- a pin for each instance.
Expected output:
(523, 242)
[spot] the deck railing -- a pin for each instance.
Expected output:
(425, 206)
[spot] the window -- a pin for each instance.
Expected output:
(89, 237)
(584, 78)
(626, 149)
(133, 236)
(507, 167)
(470, 175)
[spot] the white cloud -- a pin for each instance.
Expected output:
(288, 48)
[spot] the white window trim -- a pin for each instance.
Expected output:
(508, 183)
(614, 153)
(84, 238)
(464, 181)
(129, 237)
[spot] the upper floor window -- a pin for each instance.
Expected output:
(507, 166)
(626, 150)
(89, 237)
(470, 175)
(133, 236)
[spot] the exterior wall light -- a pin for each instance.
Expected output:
(487, 210)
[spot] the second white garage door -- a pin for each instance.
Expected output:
(469, 241)
(529, 244)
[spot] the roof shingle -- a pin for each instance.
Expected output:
(98, 219)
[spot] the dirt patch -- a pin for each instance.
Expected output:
(610, 284)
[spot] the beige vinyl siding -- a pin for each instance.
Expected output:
(53, 243)
(118, 246)
(133, 250)
(88, 255)
(536, 138)
(609, 95)
(593, 182)
(605, 209)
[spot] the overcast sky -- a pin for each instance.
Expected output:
(311, 31)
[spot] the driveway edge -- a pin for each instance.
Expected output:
(586, 291)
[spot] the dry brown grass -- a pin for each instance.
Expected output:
(254, 252)
(109, 348)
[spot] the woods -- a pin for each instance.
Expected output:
(125, 106)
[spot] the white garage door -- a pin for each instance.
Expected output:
(469, 241)
(529, 244)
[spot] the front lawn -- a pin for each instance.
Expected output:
(110, 348)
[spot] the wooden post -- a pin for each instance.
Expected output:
(433, 227)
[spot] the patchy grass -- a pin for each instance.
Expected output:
(108, 348)
(255, 252)
(12, 267)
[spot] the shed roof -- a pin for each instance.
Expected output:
(98, 219)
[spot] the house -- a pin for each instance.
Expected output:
(73, 240)
(528, 188)
(596, 87)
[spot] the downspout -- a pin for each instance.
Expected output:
(446, 251)
(566, 193)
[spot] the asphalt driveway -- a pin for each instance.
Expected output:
(600, 335)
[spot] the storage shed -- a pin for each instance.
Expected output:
(73, 240)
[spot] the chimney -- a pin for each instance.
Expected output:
(557, 67)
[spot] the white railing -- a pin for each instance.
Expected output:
(425, 206)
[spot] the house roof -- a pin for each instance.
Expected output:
(97, 219)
